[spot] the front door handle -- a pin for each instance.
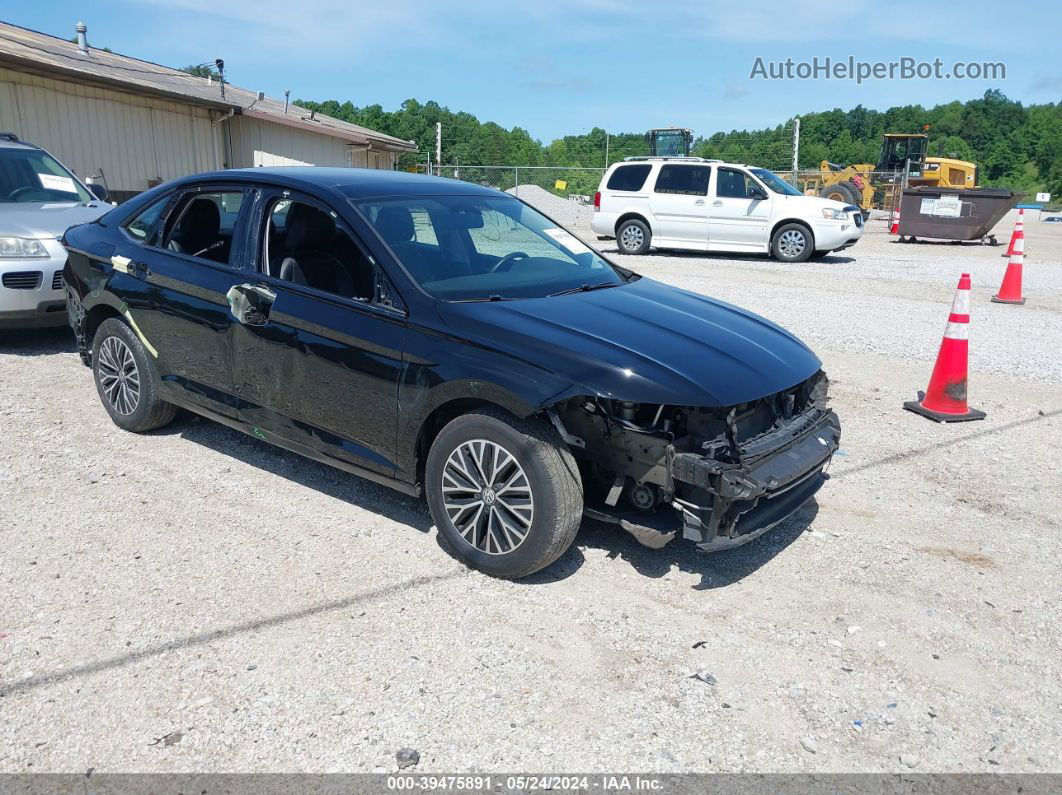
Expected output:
(717, 203)
(699, 202)
(250, 303)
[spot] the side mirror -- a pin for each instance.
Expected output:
(98, 190)
(97, 185)
(756, 192)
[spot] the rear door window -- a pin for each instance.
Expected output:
(205, 224)
(629, 177)
(683, 180)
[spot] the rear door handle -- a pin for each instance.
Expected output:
(250, 303)
(717, 203)
(699, 202)
(126, 265)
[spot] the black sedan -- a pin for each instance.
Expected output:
(449, 340)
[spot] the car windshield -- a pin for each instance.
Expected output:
(775, 183)
(32, 175)
(482, 248)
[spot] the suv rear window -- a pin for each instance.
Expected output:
(629, 177)
(684, 180)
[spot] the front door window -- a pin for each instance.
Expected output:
(304, 245)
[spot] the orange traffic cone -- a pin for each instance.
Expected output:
(1019, 231)
(1010, 289)
(895, 228)
(945, 397)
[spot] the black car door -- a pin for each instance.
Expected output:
(317, 353)
(177, 273)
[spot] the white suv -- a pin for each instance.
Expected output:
(708, 205)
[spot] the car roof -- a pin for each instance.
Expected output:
(7, 143)
(358, 183)
(676, 161)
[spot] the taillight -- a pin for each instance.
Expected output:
(597, 201)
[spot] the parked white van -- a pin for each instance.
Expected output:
(707, 205)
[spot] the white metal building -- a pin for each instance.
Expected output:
(142, 123)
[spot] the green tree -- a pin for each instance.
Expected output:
(1014, 146)
(202, 70)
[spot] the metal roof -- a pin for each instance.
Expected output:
(30, 50)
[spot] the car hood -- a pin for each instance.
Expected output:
(643, 341)
(814, 205)
(46, 219)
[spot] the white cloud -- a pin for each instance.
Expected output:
(735, 90)
(1048, 84)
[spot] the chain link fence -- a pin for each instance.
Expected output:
(576, 184)
(873, 190)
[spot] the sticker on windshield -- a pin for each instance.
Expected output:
(55, 182)
(568, 240)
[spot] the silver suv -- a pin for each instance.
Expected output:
(39, 200)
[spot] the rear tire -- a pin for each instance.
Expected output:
(633, 237)
(505, 492)
(792, 243)
(126, 379)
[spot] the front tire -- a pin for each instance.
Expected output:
(633, 237)
(126, 379)
(504, 492)
(792, 243)
(844, 192)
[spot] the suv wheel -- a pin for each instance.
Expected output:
(126, 379)
(792, 243)
(504, 492)
(633, 237)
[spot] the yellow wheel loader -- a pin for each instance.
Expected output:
(669, 141)
(877, 186)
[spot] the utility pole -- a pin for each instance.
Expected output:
(796, 147)
(438, 148)
(606, 148)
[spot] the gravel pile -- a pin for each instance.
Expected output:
(569, 214)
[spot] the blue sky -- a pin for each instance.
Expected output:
(565, 67)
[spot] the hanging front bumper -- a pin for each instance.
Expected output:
(782, 471)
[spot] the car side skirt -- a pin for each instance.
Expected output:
(412, 489)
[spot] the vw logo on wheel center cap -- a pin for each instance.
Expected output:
(489, 496)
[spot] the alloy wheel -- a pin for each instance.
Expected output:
(487, 496)
(119, 375)
(791, 243)
(632, 238)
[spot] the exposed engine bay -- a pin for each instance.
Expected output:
(723, 475)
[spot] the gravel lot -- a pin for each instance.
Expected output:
(196, 600)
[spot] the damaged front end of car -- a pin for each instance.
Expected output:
(722, 475)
